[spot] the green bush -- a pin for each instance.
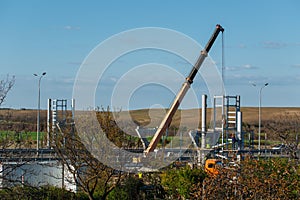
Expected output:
(179, 183)
(32, 193)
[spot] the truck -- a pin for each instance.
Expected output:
(211, 166)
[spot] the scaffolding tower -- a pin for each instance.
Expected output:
(228, 120)
(57, 117)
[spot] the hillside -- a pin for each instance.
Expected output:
(250, 114)
(20, 120)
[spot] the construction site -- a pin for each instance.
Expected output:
(222, 140)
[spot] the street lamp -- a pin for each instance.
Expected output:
(259, 112)
(38, 112)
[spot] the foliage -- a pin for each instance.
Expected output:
(285, 128)
(255, 179)
(32, 193)
(179, 183)
(129, 189)
(134, 188)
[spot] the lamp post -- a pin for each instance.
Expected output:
(38, 112)
(259, 112)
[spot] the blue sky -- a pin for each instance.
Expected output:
(262, 44)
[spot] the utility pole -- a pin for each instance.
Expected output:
(259, 112)
(38, 111)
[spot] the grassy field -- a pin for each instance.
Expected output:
(250, 114)
(13, 135)
(20, 125)
(25, 120)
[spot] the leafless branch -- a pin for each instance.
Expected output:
(5, 86)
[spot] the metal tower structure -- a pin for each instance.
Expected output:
(228, 120)
(57, 115)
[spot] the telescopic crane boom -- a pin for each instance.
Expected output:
(185, 86)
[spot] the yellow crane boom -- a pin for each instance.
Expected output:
(180, 95)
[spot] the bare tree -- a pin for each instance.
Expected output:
(5, 86)
(92, 177)
(286, 129)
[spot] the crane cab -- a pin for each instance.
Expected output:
(212, 165)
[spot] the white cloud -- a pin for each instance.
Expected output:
(242, 67)
(248, 66)
(274, 45)
(68, 27)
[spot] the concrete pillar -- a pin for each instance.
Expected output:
(203, 128)
(203, 120)
(48, 122)
(239, 133)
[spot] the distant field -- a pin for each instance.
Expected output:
(250, 114)
(20, 135)
(16, 119)
(20, 125)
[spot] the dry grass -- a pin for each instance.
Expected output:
(250, 114)
(153, 117)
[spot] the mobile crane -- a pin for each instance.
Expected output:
(185, 86)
